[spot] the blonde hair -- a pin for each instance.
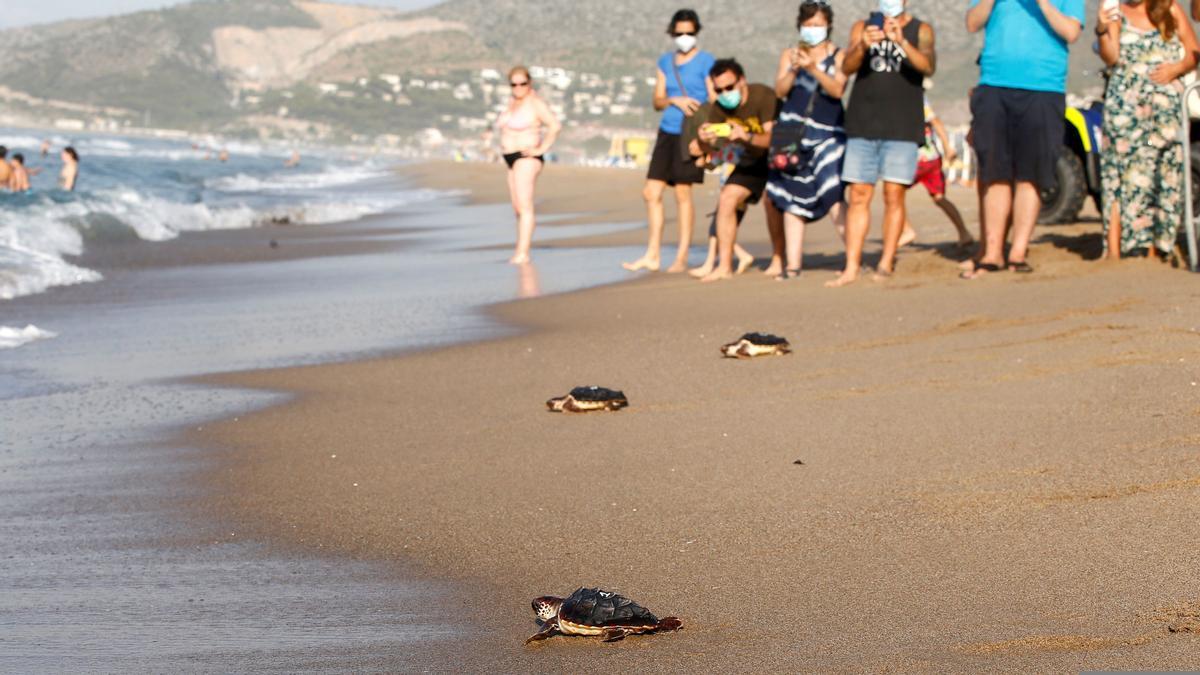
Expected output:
(520, 70)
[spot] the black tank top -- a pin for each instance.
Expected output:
(888, 102)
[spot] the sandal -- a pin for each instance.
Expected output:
(1022, 267)
(979, 267)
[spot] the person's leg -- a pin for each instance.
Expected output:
(894, 217)
(652, 193)
(951, 211)
(710, 260)
(1112, 234)
(732, 198)
(525, 175)
(858, 222)
(908, 234)
(793, 227)
(1026, 204)
(686, 212)
(778, 239)
(838, 213)
(997, 207)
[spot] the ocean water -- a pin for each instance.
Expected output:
(106, 564)
(155, 189)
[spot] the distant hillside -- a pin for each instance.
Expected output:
(214, 64)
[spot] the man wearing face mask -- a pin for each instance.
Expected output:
(1017, 116)
(890, 55)
(739, 131)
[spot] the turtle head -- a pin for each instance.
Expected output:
(547, 606)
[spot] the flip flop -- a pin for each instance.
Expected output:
(1022, 267)
(980, 267)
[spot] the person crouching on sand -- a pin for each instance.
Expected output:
(70, 170)
(527, 131)
(683, 85)
(739, 129)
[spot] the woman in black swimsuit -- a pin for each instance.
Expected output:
(527, 130)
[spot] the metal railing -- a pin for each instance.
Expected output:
(1189, 217)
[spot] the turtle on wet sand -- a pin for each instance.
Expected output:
(588, 399)
(751, 345)
(592, 612)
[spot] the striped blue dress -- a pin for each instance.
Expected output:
(811, 183)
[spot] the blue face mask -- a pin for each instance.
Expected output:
(730, 100)
(891, 8)
(814, 35)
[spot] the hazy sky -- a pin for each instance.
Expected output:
(24, 12)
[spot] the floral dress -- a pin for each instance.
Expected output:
(1142, 166)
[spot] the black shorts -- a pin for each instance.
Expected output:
(753, 177)
(511, 158)
(667, 163)
(1018, 134)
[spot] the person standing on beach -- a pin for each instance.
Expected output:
(890, 55)
(931, 172)
(739, 128)
(70, 170)
(528, 129)
(683, 85)
(1148, 46)
(809, 140)
(1017, 112)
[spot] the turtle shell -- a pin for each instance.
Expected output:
(594, 607)
(764, 339)
(596, 394)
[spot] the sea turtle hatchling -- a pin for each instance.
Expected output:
(588, 399)
(592, 612)
(751, 345)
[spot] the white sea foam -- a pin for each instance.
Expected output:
(15, 337)
(286, 182)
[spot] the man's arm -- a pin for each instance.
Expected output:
(977, 16)
(923, 57)
(1196, 9)
(857, 50)
(1067, 27)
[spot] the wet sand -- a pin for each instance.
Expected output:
(995, 475)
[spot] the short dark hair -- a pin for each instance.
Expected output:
(810, 8)
(19, 158)
(723, 66)
(689, 15)
(71, 151)
(3, 152)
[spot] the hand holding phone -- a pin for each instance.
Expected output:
(721, 129)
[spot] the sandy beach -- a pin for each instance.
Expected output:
(945, 476)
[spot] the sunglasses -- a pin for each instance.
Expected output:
(818, 3)
(722, 90)
(514, 85)
(682, 33)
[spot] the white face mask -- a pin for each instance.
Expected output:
(685, 43)
(814, 35)
(891, 8)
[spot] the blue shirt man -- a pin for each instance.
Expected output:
(1021, 49)
(1018, 116)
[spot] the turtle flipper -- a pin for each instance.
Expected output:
(548, 630)
(669, 623)
(615, 634)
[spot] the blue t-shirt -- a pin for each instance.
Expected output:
(1021, 50)
(695, 78)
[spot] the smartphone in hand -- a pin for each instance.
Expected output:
(875, 19)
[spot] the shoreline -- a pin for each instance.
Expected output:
(462, 474)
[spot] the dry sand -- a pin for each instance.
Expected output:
(997, 475)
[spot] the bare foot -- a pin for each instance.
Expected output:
(744, 264)
(679, 266)
(519, 259)
(775, 268)
(844, 279)
(716, 275)
(650, 264)
(701, 271)
(881, 275)
(907, 237)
